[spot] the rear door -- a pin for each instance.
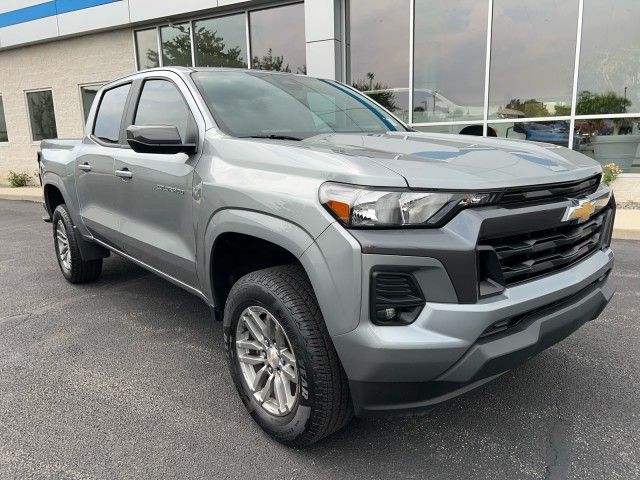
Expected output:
(97, 185)
(157, 224)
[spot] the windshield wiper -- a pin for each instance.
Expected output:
(274, 137)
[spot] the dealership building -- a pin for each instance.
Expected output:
(564, 72)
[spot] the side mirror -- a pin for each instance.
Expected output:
(157, 139)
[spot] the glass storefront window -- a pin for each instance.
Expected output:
(147, 49)
(532, 58)
(176, 45)
(608, 78)
(221, 42)
(3, 123)
(449, 60)
(554, 132)
(468, 129)
(277, 39)
(42, 115)
(610, 140)
(88, 94)
(379, 52)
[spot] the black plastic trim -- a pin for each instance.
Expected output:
(411, 306)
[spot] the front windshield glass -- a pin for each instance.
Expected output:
(255, 104)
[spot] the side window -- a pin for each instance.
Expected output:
(109, 116)
(161, 103)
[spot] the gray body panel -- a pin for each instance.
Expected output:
(169, 214)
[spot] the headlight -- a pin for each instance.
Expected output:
(369, 207)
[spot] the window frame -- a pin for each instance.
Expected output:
(135, 94)
(121, 143)
(4, 114)
(224, 13)
(26, 103)
(80, 87)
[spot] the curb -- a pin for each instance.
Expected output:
(21, 199)
(28, 194)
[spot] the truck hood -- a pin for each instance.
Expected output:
(459, 161)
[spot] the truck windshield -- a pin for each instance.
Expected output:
(263, 105)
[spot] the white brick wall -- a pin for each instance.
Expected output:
(62, 65)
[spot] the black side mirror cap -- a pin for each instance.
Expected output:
(157, 139)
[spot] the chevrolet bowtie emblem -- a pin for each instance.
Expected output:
(582, 210)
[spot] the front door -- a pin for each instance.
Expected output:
(96, 184)
(157, 224)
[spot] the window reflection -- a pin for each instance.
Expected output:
(608, 79)
(379, 52)
(147, 49)
(532, 58)
(88, 94)
(277, 39)
(449, 60)
(42, 115)
(176, 45)
(3, 124)
(610, 140)
(554, 132)
(468, 129)
(221, 42)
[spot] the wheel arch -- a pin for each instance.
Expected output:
(234, 233)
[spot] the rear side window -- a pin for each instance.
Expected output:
(161, 103)
(109, 116)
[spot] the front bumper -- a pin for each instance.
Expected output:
(442, 353)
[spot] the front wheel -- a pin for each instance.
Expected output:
(74, 269)
(281, 358)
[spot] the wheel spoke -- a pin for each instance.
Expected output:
(249, 344)
(251, 359)
(259, 322)
(255, 330)
(281, 396)
(289, 373)
(289, 358)
(259, 378)
(265, 393)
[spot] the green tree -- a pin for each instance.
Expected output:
(530, 108)
(269, 61)
(176, 52)
(562, 110)
(211, 51)
(383, 95)
(593, 103)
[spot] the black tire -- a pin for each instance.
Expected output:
(78, 270)
(323, 404)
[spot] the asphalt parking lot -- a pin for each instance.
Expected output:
(126, 378)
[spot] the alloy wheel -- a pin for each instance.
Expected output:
(267, 361)
(64, 253)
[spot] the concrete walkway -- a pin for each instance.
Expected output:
(627, 226)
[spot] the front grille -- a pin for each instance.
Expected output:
(549, 193)
(530, 255)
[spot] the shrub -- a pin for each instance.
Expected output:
(609, 172)
(19, 179)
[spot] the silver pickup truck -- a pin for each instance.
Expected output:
(359, 267)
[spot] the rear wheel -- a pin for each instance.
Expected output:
(74, 269)
(281, 358)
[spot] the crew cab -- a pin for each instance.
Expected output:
(358, 266)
